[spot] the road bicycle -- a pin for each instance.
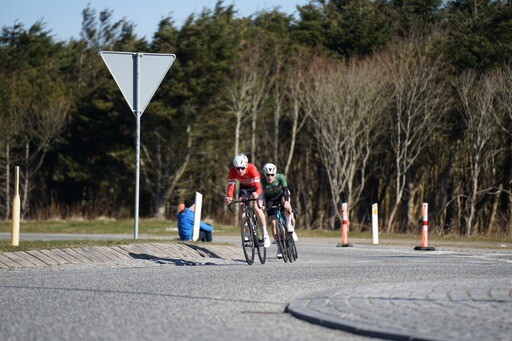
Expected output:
(251, 232)
(284, 238)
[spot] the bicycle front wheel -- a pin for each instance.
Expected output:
(292, 248)
(281, 239)
(259, 241)
(248, 240)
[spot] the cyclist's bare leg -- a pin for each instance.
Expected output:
(273, 221)
(288, 212)
(260, 215)
(290, 219)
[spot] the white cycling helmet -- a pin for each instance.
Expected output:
(240, 160)
(269, 168)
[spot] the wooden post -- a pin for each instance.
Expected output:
(15, 230)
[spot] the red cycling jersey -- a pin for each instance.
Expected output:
(251, 179)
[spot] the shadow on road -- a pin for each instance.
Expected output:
(175, 261)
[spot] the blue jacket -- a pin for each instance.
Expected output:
(186, 224)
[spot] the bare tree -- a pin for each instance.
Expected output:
(343, 102)
(506, 102)
(295, 92)
(506, 96)
(238, 93)
(245, 94)
(419, 101)
(261, 80)
(287, 94)
(12, 121)
(478, 97)
(278, 94)
(45, 115)
(163, 164)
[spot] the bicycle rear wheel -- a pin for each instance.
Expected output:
(248, 240)
(259, 241)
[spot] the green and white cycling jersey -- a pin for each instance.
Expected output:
(274, 188)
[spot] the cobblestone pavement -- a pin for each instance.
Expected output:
(469, 310)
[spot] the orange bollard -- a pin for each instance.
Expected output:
(424, 230)
(344, 226)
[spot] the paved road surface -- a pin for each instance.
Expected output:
(191, 292)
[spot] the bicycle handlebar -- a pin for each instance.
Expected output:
(244, 200)
(277, 203)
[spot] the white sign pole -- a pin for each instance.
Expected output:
(137, 145)
(197, 215)
(375, 223)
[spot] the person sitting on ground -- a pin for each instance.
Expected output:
(186, 224)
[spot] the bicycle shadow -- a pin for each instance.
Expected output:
(201, 251)
(160, 260)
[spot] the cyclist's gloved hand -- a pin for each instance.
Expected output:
(229, 200)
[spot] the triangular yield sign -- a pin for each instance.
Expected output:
(145, 69)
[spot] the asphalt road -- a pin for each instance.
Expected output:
(227, 299)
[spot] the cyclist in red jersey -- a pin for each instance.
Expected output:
(249, 177)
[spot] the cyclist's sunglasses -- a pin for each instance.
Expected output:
(269, 175)
(240, 168)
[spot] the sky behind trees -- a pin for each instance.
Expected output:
(64, 17)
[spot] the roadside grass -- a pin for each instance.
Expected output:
(94, 226)
(154, 227)
(166, 231)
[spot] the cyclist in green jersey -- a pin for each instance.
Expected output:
(275, 188)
